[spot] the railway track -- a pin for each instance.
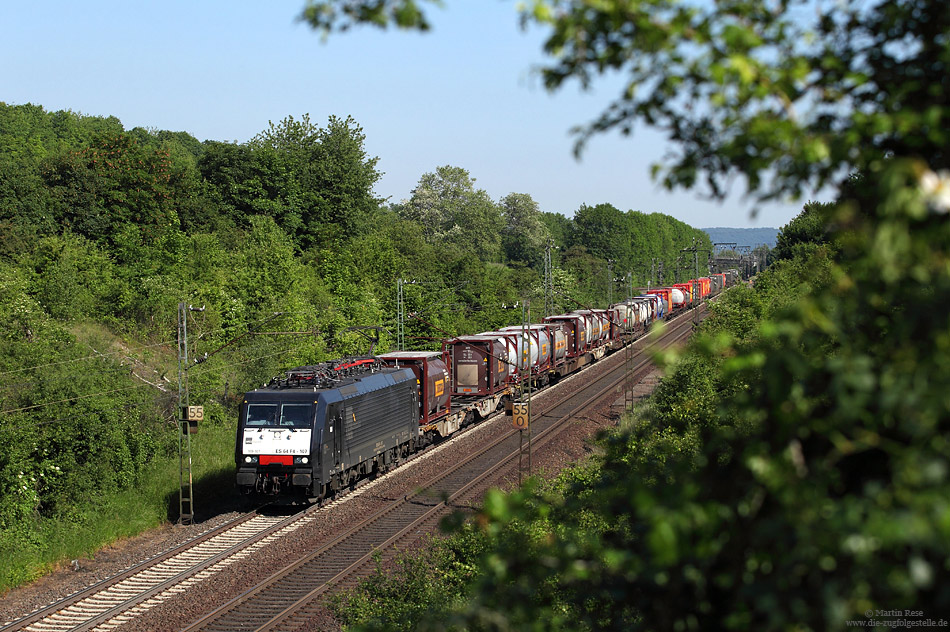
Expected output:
(290, 595)
(124, 595)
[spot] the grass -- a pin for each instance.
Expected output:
(52, 542)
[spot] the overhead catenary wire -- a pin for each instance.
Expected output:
(233, 340)
(103, 372)
(205, 369)
(129, 388)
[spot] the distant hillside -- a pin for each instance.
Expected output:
(751, 237)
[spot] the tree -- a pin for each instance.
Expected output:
(344, 175)
(602, 231)
(561, 228)
(111, 184)
(247, 181)
(524, 235)
(332, 178)
(806, 229)
(454, 213)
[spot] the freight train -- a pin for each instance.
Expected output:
(318, 429)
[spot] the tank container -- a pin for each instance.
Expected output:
(574, 328)
(525, 347)
(599, 324)
(539, 342)
(587, 327)
(509, 342)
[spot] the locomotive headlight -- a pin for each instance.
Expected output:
(250, 459)
(301, 460)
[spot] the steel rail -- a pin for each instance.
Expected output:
(57, 615)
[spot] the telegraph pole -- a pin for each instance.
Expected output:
(695, 250)
(548, 279)
(696, 258)
(400, 317)
(610, 282)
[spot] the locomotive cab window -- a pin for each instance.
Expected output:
(296, 415)
(278, 415)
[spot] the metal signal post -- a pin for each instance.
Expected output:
(610, 281)
(188, 419)
(400, 317)
(548, 280)
(521, 411)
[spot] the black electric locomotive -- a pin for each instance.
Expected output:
(319, 428)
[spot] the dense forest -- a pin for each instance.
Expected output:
(283, 245)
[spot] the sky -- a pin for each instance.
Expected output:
(466, 94)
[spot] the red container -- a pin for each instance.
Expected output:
(432, 378)
(667, 295)
(688, 289)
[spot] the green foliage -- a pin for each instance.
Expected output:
(435, 577)
(806, 230)
(327, 16)
(601, 231)
(110, 185)
(559, 227)
(74, 278)
(524, 236)
(456, 215)
(637, 243)
(331, 178)
(246, 181)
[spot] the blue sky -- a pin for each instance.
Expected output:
(465, 94)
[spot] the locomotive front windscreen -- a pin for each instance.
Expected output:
(278, 415)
